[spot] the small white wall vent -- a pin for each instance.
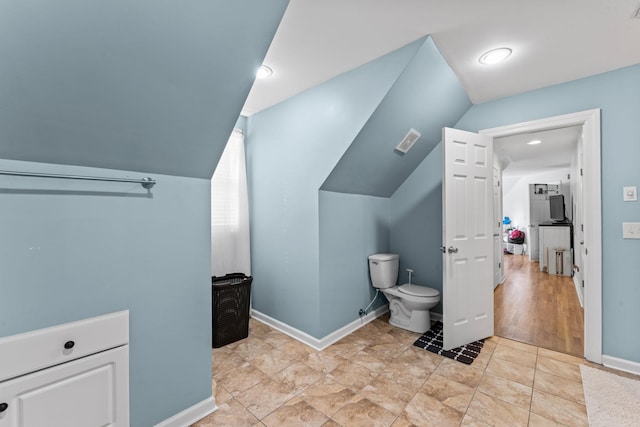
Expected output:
(408, 141)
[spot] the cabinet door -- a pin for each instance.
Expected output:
(87, 392)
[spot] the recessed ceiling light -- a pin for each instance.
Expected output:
(534, 142)
(264, 72)
(495, 55)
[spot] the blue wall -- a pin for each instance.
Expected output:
(416, 223)
(425, 97)
(72, 250)
(128, 85)
(617, 94)
(352, 227)
(291, 149)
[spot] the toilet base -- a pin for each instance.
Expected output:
(418, 321)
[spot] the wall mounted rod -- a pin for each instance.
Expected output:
(145, 182)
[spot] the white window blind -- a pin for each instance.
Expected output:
(230, 250)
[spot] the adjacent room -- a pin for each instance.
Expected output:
(225, 213)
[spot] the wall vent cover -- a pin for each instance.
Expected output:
(408, 141)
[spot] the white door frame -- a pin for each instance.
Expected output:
(590, 120)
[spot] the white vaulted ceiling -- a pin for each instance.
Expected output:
(553, 41)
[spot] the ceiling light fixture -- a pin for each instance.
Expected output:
(534, 142)
(264, 72)
(495, 55)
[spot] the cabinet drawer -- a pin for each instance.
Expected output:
(31, 351)
(91, 391)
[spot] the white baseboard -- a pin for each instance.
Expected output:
(578, 290)
(322, 343)
(191, 414)
(621, 364)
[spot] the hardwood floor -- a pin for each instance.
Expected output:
(538, 308)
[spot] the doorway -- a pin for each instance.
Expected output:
(591, 230)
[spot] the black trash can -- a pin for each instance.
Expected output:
(230, 298)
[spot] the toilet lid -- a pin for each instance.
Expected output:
(417, 290)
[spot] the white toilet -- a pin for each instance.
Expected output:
(409, 303)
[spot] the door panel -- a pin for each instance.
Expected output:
(467, 237)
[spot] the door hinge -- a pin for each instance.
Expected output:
(569, 176)
(586, 251)
(580, 171)
(499, 265)
(581, 227)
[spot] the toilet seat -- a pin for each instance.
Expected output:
(418, 291)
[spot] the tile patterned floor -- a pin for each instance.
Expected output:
(376, 377)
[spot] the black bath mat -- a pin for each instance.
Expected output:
(432, 341)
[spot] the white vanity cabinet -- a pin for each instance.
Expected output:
(72, 375)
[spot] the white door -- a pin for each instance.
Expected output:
(498, 269)
(467, 217)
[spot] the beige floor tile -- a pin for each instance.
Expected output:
(370, 360)
(344, 349)
(489, 346)
(459, 372)
(506, 390)
(536, 420)
(404, 336)
(561, 356)
(297, 350)
(558, 409)
(518, 345)
(511, 371)
(566, 370)
(392, 350)
(449, 392)
(219, 393)
(412, 379)
(331, 423)
(241, 378)
(258, 328)
(297, 377)
(558, 386)
(223, 363)
(295, 413)
(482, 360)
(493, 339)
(252, 347)
(272, 361)
(425, 410)
(265, 397)
(519, 357)
(229, 414)
(276, 339)
(364, 413)
(387, 393)
(402, 422)
(497, 412)
(352, 375)
(469, 421)
(322, 362)
(420, 358)
(327, 396)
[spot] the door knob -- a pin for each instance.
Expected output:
(452, 250)
(443, 249)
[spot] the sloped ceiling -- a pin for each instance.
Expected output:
(140, 86)
(427, 96)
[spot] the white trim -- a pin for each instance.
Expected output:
(590, 120)
(621, 364)
(578, 291)
(191, 414)
(322, 343)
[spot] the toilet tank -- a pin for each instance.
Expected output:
(383, 269)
